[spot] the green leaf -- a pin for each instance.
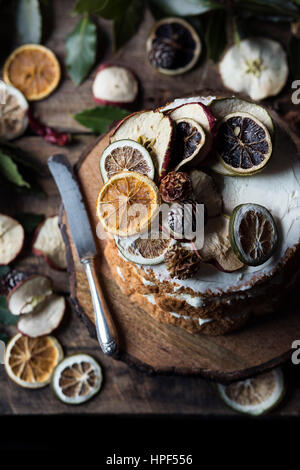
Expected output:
(285, 8)
(294, 56)
(3, 271)
(29, 21)
(127, 25)
(22, 158)
(98, 119)
(10, 171)
(6, 318)
(29, 221)
(215, 36)
(89, 6)
(81, 47)
(186, 7)
(4, 338)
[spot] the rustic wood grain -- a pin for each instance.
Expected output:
(125, 390)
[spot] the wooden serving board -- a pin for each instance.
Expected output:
(154, 347)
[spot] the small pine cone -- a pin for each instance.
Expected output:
(182, 263)
(162, 54)
(176, 186)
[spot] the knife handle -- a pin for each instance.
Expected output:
(106, 331)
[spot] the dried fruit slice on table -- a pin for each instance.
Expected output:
(34, 70)
(125, 155)
(11, 239)
(173, 46)
(244, 144)
(154, 131)
(13, 112)
(115, 86)
(77, 379)
(190, 138)
(256, 395)
(144, 250)
(253, 234)
(48, 242)
(256, 66)
(30, 362)
(127, 203)
(28, 293)
(221, 107)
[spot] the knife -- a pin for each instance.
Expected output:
(85, 246)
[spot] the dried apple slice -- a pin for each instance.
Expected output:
(48, 242)
(11, 239)
(13, 112)
(190, 138)
(205, 191)
(154, 131)
(45, 318)
(217, 248)
(115, 86)
(28, 294)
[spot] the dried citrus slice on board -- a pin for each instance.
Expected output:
(127, 203)
(125, 155)
(77, 379)
(254, 396)
(190, 139)
(144, 250)
(34, 70)
(253, 234)
(243, 143)
(30, 362)
(13, 112)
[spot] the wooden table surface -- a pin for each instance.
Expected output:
(125, 390)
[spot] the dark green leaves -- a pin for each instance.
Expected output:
(98, 119)
(186, 7)
(3, 271)
(29, 221)
(89, 6)
(215, 36)
(10, 171)
(6, 318)
(294, 56)
(4, 338)
(81, 47)
(126, 26)
(29, 21)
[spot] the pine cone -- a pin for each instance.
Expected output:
(182, 263)
(176, 186)
(162, 54)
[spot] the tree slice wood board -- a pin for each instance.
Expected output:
(158, 348)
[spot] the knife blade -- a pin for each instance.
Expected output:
(84, 242)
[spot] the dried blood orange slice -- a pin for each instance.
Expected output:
(190, 138)
(77, 379)
(253, 234)
(34, 70)
(127, 203)
(243, 143)
(144, 250)
(30, 362)
(125, 155)
(256, 395)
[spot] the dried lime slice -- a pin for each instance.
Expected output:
(125, 155)
(254, 396)
(253, 234)
(144, 250)
(190, 138)
(244, 144)
(77, 379)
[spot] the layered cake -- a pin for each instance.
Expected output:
(224, 154)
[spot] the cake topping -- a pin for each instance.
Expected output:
(190, 138)
(144, 250)
(205, 192)
(182, 263)
(243, 143)
(176, 186)
(253, 234)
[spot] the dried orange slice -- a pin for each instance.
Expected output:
(34, 70)
(30, 362)
(127, 203)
